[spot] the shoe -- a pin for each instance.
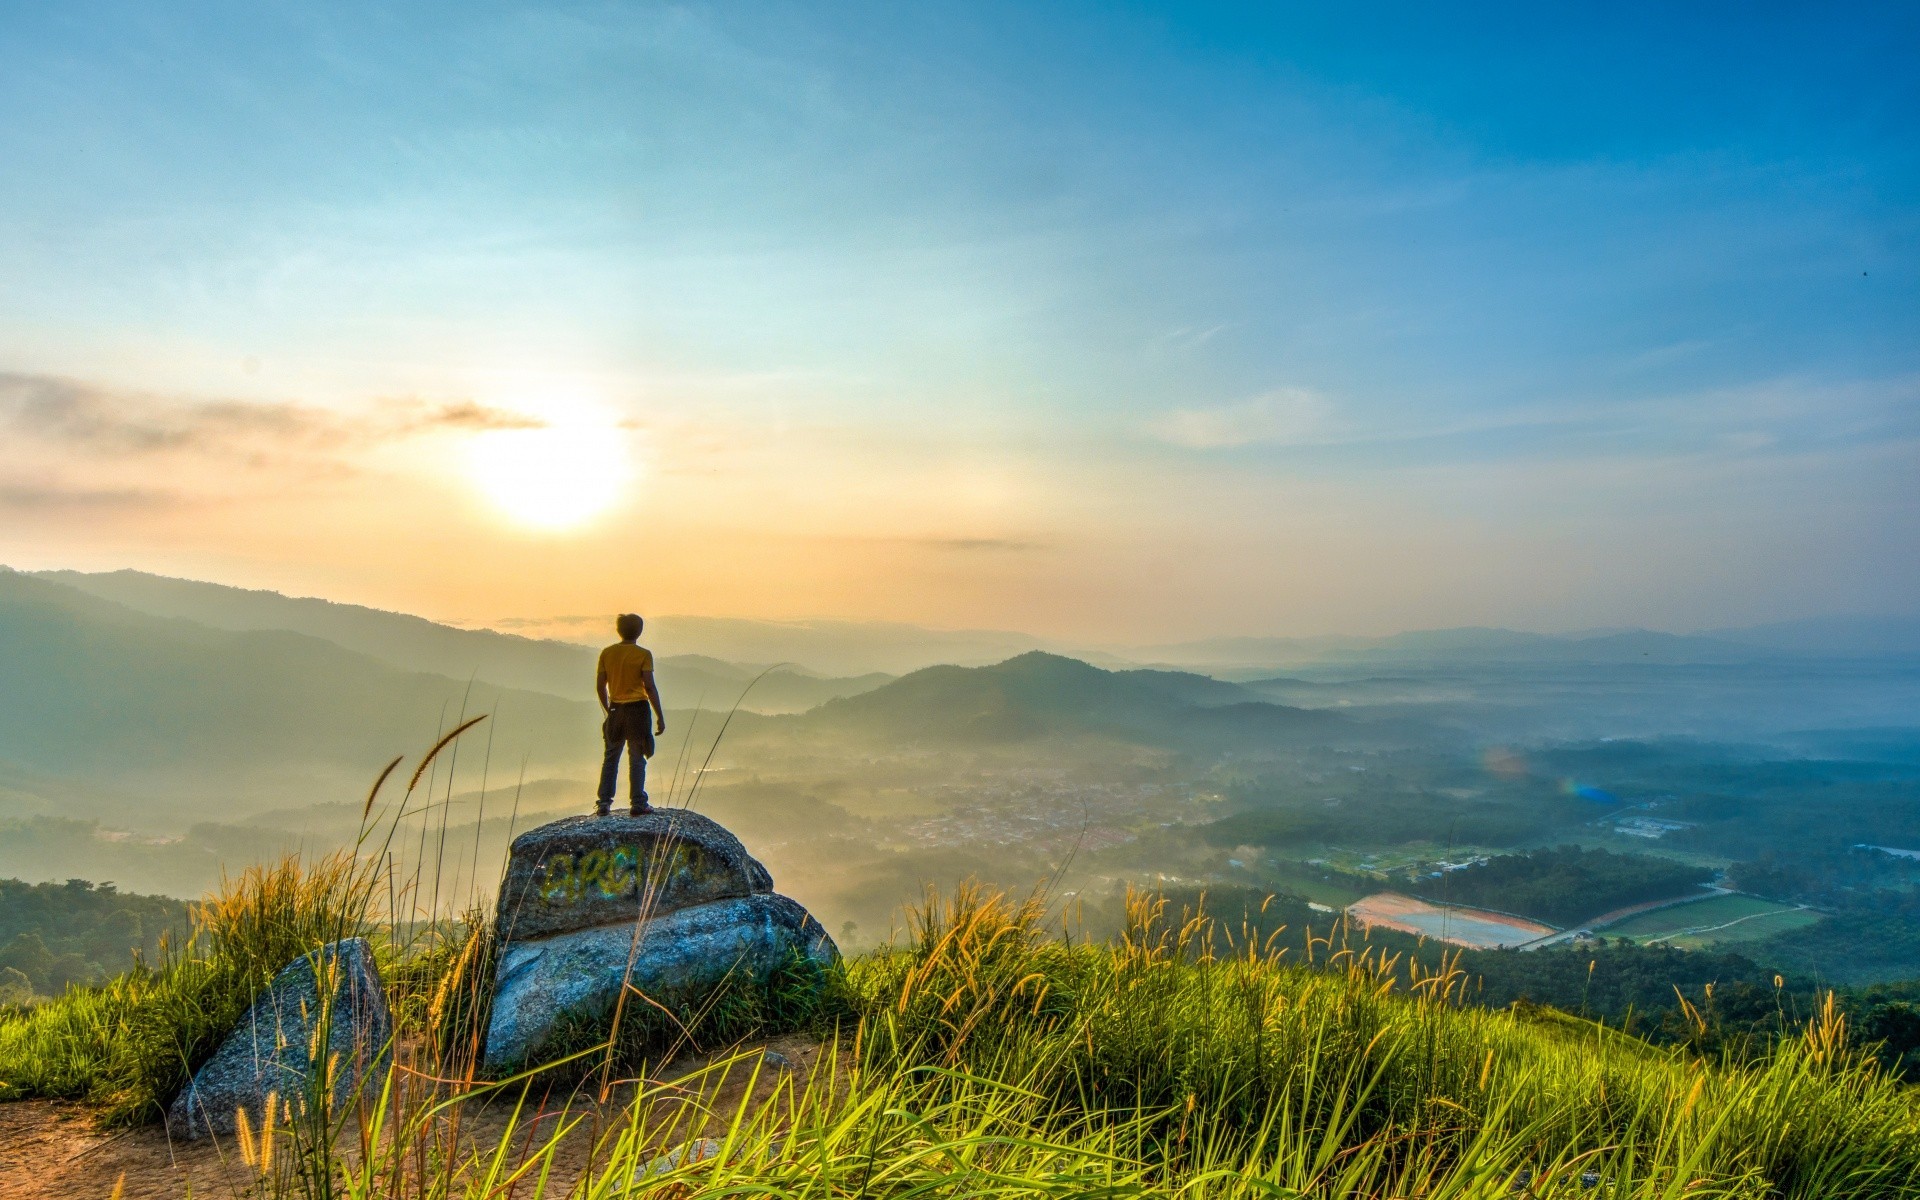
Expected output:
(602, 810)
(640, 809)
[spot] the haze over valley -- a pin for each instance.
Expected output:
(1390, 765)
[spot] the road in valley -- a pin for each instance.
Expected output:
(1706, 892)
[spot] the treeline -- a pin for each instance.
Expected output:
(1400, 798)
(1874, 898)
(1842, 878)
(54, 935)
(1565, 885)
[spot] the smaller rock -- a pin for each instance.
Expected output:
(698, 1150)
(271, 1052)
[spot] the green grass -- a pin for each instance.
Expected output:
(983, 1057)
(1719, 920)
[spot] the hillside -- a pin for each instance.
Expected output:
(211, 719)
(560, 668)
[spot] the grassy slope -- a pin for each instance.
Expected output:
(991, 1060)
(1238, 1042)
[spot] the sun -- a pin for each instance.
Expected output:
(557, 475)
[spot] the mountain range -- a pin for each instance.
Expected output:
(116, 711)
(154, 700)
(156, 716)
(507, 660)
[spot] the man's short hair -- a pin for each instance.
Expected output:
(628, 625)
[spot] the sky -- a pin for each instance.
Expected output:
(1106, 322)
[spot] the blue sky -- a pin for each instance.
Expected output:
(1087, 319)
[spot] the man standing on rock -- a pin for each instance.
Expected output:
(627, 695)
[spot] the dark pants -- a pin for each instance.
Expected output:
(628, 727)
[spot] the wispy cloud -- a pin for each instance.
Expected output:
(1284, 416)
(54, 497)
(84, 418)
(467, 415)
(68, 446)
(1782, 417)
(978, 545)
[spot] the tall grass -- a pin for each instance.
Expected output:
(129, 1045)
(988, 1059)
(1243, 1056)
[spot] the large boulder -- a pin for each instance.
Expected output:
(581, 872)
(272, 1052)
(669, 902)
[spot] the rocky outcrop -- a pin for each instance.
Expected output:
(670, 902)
(273, 1051)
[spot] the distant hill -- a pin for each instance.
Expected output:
(1458, 647)
(1487, 646)
(838, 648)
(697, 681)
(218, 720)
(1038, 694)
(561, 668)
(1835, 637)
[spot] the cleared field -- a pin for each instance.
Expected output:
(1717, 921)
(1470, 927)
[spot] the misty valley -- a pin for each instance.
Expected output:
(1584, 823)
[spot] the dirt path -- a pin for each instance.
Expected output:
(51, 1150)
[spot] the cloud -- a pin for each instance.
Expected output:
(85, 417)
(466, 416)
(976, 545)
(1284, 416)
(90, 419)
(59, 497)
(1189, 337)
(71, 446)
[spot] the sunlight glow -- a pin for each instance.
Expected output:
(556, 476)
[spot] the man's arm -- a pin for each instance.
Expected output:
(653, 698)
(600, 689)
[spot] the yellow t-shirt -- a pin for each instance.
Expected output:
(623, 666)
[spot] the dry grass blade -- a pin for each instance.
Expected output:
(440, 745)
(374, 791)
